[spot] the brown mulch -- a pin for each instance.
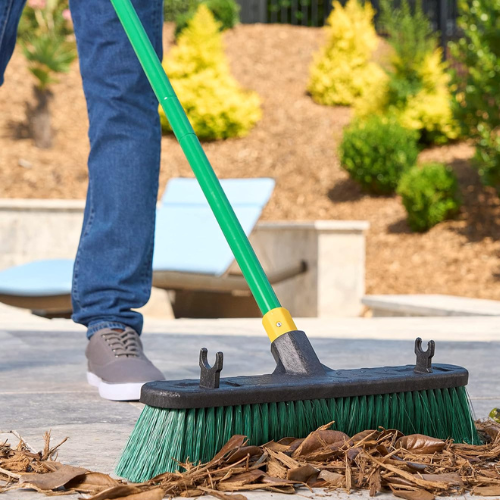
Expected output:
(295, 142)
(414, 467)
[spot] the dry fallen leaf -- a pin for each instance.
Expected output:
(420, 444)
(320, 439)
(487, 491)
(417, 494)
(414, 467)
(91, 482)
(332, 478)
(223, 496)
(302, 474)
(155, 494)
(242, 452)
(120, 491)
(53, 480)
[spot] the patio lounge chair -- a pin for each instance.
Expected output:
(191, 257)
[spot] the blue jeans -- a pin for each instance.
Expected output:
(113, 265)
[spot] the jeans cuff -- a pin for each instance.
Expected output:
(101, 325)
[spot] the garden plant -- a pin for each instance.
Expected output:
(429, 194)
(416, 88)
(342, 70)
(217, 106)
(45, 35)
(376, 152)
(478, 84)
(226, 12)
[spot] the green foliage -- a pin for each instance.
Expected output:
(44, 32)
(412, 39)
(226, 12)
(174, 8)
(376, 152)
(342, 69)
(310, 13)
(416, 90)
(478, 88)
(429, 194)
(217, 107)
(487, 157)
(45, 16)
(48, 54)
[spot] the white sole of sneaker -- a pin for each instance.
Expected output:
(116, 392)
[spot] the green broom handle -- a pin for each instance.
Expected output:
(217, 199)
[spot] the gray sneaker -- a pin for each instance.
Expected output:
(117, 364)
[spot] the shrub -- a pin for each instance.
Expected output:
(174, 8)
(226, 12)
(215, 103)
(44, 31)
(429, 194)
(416, 90)
(376, 152)
(341, 70)
(478, 87)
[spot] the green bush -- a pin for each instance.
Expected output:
(429, 194)
(376, 152)
(478, 88)
(174, 8)
(226, 13)
(416, 88)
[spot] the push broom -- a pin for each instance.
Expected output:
(192, 419)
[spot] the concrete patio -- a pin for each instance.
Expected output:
(43, 386)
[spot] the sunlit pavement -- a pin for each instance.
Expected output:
(43, 384)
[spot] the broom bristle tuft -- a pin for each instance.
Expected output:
(162, 438)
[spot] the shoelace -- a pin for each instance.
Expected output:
(123, 343)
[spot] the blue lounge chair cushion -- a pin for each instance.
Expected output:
(188, 238)
(41, 278)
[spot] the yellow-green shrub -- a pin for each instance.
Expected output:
(342, 70)
(215, 103)
(416, 89)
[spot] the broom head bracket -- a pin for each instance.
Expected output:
(424, 358)
(210, 375)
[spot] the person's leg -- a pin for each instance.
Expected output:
(112, 273)
(10, 13)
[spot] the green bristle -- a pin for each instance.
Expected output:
(417, 403)
(308, 409)
(290, 419)
(345, 417)
(300, 417)
(199, 435)
(403, 415)
(332, 410)
(209, 438)
(264, 411)
(410, 425)
(247, 423)
(256, 424)
(274, 428)
(370, 411)
(228, 423)
(238, 420)
(338, 415)
(219, 418)
(162, 435)
(190, 445)
(282, 420)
